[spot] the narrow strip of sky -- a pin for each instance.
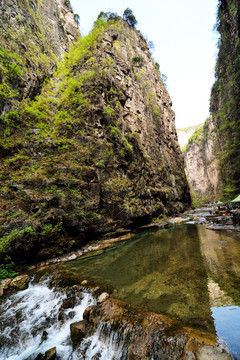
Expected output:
(185, 46)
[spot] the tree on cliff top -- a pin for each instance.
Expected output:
(129, 17)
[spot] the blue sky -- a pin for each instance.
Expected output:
(185, 46)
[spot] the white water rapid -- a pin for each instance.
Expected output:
(30, 324)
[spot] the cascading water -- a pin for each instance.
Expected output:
(104, 344)
(30, 324)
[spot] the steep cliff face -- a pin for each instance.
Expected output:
(95, 151)
(225, 97)
(34, 35)
(185, 134)
(201, 163)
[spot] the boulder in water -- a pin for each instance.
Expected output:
(1, 291)
(78, 331)
(103, 297)
(68, 303)
(88, 313)
(19, 282)
(50, 354)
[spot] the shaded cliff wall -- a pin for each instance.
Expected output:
(225, 97)
(34, 35)
(96, 150)
(201, 162)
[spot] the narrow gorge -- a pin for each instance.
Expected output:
(212, 153)
(201, 163)
(103, 254)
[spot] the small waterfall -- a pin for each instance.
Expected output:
(104, 344)
(30, 324)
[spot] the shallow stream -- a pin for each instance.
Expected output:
(188, 272)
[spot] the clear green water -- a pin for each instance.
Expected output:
(186, 272)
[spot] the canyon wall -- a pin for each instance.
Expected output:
(201, 162)
(225, 98)
(96, 151)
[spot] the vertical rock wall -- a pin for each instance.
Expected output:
(201, 162)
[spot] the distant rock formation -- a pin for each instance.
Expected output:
(185, 133)
(201, 162)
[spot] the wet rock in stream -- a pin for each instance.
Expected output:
(78, 331)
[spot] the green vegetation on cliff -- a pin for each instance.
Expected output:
(225, 97)
(91, 152)
(198, 137)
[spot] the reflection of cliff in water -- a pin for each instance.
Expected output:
(222, 260)
(160, 271)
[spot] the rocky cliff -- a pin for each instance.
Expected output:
(95, 151)
(184, 134)
(34, 35)
(225, 98)
(201, 163)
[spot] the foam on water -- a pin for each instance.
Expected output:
(26, 314)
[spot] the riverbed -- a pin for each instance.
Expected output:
(189, 273)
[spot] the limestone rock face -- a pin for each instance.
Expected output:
(201, 162)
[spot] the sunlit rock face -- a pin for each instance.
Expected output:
(185, 133)
(201, 162)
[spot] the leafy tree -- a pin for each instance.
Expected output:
(102, 15)
(129, 17)
(157, 66)
(77, 18)
(107, 16)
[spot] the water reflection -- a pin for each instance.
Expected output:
(222, 260)
(160, 271)
(221, 253)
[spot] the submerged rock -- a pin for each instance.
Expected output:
(68, 303)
